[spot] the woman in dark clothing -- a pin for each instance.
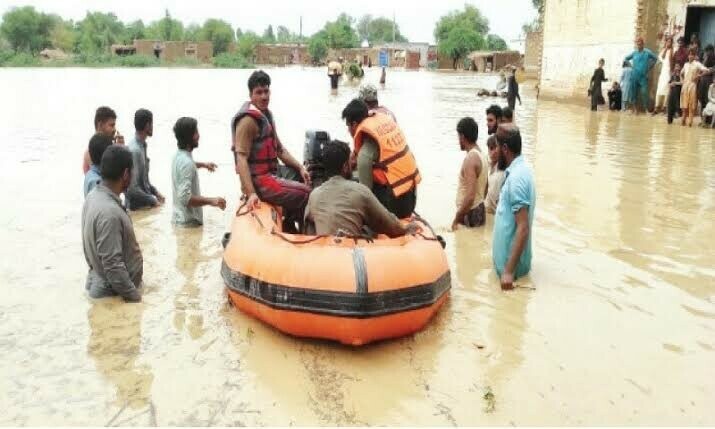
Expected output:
(596, 92)
(513, 90)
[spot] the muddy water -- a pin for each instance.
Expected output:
(619, 328)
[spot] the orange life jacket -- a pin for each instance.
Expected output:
(396, 166)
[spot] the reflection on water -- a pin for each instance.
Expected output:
(615, 324)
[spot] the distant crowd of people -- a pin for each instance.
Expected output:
(684, 87)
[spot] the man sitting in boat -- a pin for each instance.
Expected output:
(257, 149)
(385, 163)
(341, 205)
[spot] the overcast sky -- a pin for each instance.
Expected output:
(415, 19)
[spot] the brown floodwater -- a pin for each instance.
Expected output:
(615, 325)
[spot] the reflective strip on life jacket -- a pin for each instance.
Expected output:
(396, 166)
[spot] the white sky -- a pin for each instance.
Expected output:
(415, 18)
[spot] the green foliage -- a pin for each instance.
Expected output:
(284, 35)
(378, 30)
(134, 31)
(246, 44)
(460, 41)
(166, 29)
(184, 62)
(340, 34)
(232, 61)
(317, 47)
(63, 36)
(9, 58)
(192, 33)
(135, 61)
(26, 29)
(496, 43)
(97, 32)
(239, 33)
(219, 32)
(470, 17)
(268, 36)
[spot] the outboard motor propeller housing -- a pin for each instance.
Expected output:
(313, 155)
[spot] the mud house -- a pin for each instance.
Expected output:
(282, 54)
(169, 51)
(577, 33)
(492, 61)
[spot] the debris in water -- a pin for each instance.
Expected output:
(479, 346)
(490, 400)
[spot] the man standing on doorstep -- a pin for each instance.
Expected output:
(511, 247)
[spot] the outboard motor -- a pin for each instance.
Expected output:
(313, 155)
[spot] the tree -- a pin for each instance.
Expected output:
(496, 43)
(268, 36)
(134, 31)
(378, 30)
(98, 31)
(219, 32)
(340, 33)
(246, 44)
(470, 17)
(192, 33)
(63, 35)
(318, 47)
(26, 29)
(239, 33)
(166, 28)
(460, 41)
(283, 34)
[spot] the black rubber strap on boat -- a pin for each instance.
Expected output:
(360, 271)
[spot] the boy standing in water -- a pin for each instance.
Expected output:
(496, 175)
(596, 92)
(674, 94)
(105, 122)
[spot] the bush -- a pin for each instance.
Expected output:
(231, 61)
(21, 59)
(5, 55)
(183, 62)
(87, 59)
(135, 61)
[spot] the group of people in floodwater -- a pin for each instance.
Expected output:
(684, 87)
(370, 189)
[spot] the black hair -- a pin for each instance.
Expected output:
(507, 113)
(626, 64)
(709, 48)
(601, 60)
(258, 78)
(468, 128)
(102, 114)
(335, 155)
(115, 160)
(495, 110)
(184, 130)
(142, 117)
(355, 111)
(492, 141)
(512, 140)
(681, 39)
(97, 145)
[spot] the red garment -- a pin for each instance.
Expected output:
(680, 57)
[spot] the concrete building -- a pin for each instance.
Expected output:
(577, 33)
(532, 54)
(422, 48)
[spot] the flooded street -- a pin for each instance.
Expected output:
(618, 329)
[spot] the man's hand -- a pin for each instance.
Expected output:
(305, 175)
(118, 139)
(160, 198)
(253, 202)
(455, 225)
(507, 281)
(210, 166)
(412, 228)
(219, 202)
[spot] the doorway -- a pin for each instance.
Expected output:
(700, 20)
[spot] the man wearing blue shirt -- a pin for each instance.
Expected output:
(97, 145)
(643, 59)
(511, 248)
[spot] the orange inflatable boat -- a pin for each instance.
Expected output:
(340, 288)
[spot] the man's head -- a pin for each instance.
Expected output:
(508, 138)
(116, 167)
(493, 150)
(467, 132)
(640, 44)
(494, 118)
(336, 159)
(601, 63)
(368, 94)
(354, 113)
(709, 50)
(144, 122)
(669, 42)
(694, 39)
(186, 131)
(508, 115)
(97, 145)
(105, 121)
(259, 89)
(681, 42)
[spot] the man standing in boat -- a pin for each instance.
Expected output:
(385, 163)
(257, 149)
